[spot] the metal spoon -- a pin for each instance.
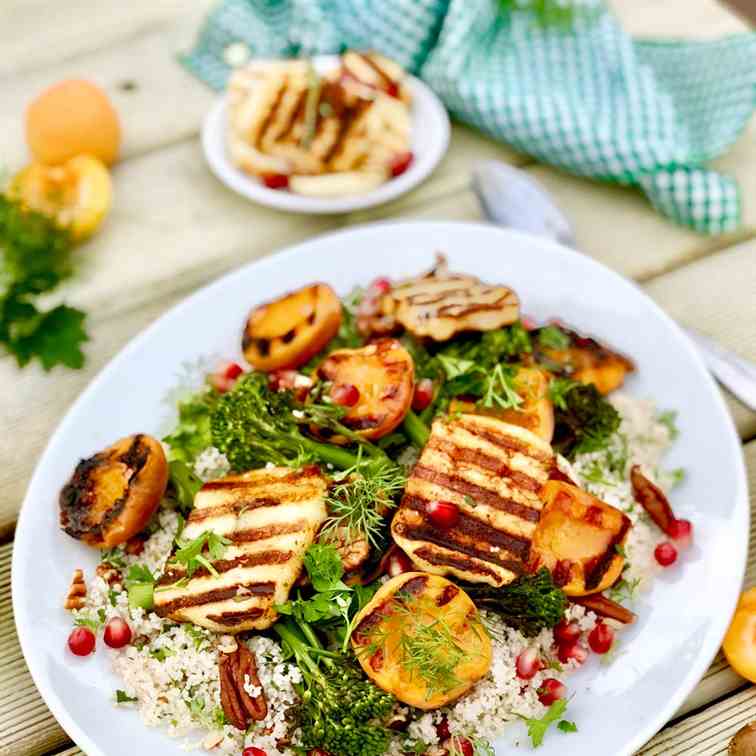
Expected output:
(510, 197)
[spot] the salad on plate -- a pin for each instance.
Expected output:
(398, 529)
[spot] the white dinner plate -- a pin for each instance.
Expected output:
(430, 138)
(681, 620)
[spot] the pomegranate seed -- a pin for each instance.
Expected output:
(528, 323)
(220, 383)
(81, 641)
(117, 633)
(252, 751)
(392, 90)
(231, 370)
(551, 690)
(458, 746)
(681, 532)
(443, 514)
(566, 632)
(345, 394)
(276, 180)
(665, 554)
(400, 163)
(282, 380)
(572, 651)
(442, 730)
(528, 664)
(601, 638)
(381, 286)
(423, 395)
(398, 564)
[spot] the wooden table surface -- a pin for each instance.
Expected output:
(174, 228)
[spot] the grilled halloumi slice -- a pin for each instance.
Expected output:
(493, 472)
(270, 516)
(440, 304)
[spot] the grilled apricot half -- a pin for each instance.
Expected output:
(383, 375)
(288, 331)
(112, 495)
(422, 639)
(577, 538)
(536, 413)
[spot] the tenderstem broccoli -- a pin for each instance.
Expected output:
(339, 710)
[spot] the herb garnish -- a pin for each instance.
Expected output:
(537, 727)
(34, 258)
(191, 556)
(122, 697)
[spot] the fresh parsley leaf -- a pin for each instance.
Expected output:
(138, 573)
(323, 565)
(552, 337)
(114, 557)
(192, 434)
(34, 259)
(537, 727)
(190, 554)
(93, 624)
(112, 596)
(185, 484)
(669, 420)
(122, 697)
(161, 654)
(566, 726)
(500, 390)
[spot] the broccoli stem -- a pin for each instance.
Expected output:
(286, 631)
(416, 429)
(331, 454)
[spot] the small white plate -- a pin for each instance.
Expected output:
(430, 138)
(681, 620)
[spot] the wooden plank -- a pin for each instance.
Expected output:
(38, 33)
(26, 726)
(707, 733)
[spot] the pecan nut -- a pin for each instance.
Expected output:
(236, 669)
(77, 592)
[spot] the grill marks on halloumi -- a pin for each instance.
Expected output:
(270, 516)
(493, 472)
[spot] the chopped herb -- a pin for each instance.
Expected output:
(620, 549)
(185, 484)
(198, 636)
(191, 556)
(101, 615)
(93, 624)
(537, 727)
(192, 433)
(470, 501)
(669, 420)
(677, 476)
(500, 391)
(113, 596)
(161, 654)
(624, 590)
(114, 557)
(122, 697)
(552, 337)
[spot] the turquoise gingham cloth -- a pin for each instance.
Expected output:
(580, 95)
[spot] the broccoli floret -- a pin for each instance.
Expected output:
(253, 425)
(339, 710)
(529, 604)
(584, 420)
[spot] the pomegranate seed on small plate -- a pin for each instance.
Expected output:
(400, 163)
(601, 638)
(345, 394)
(551, 690)
(117, 633)
(443, 514)
(81, 641)
(665, 554)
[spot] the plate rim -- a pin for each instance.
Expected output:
(294, 203)
(709, 648)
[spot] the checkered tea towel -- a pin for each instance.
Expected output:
(557, 79)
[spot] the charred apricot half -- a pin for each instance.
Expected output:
(288, 331)
(376, 384)
(577, 538)
(422, 639)
(112, 495)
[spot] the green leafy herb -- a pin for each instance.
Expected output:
(552, 337)
(529, 604)
(324, 568)
(624, 590)
(161, 654)
(122, 697)
(138, 573)
(198, 635)
(537, 727)
(114, 557)
(500, 391)
(185, 484)
(191, 557)
(192, 434)
(113, 596)
(669, 420)
(140, 586)
(93, 624)
(359, 501)
(34, 259)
